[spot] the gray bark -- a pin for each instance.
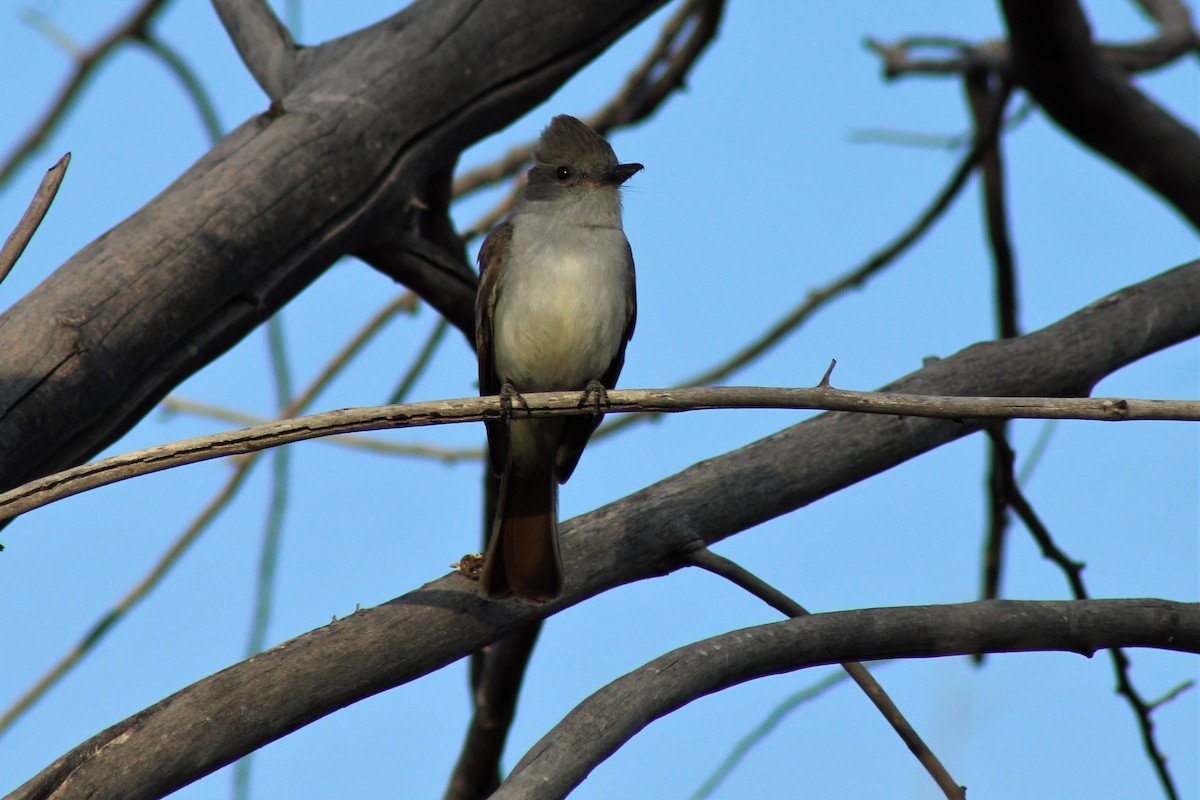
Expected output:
(217, 720)
(368, 121)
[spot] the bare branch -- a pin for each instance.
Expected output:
(702, 557)
(438, 276)
(17, 241)
(598, 726)
(494, 693)
(268, 209)
(661, 72)
(86, 61)
(265, 45)
(1073, 570)
(1055, 59)
(818, 298)
(446, 455)
(948, 55)
(196, 528)
(641, 536)
(56, 486)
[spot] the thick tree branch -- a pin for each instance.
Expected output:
(1055, 59)
(598, 726)
(270, 207)
(648, 533)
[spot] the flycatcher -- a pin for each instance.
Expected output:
(556, 308)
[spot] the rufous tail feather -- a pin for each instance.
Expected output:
(522, 555)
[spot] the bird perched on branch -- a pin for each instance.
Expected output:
(555, 309)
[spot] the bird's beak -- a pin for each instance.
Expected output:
(621, 173)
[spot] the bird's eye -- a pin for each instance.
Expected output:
(562, 173)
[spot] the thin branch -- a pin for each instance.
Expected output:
(446, 455)
(706, 559)
(66, 483)
(438, 276)
(420, 363)
(984, 90)
(210, 512)
(266, 47)
(948, 55)
(190, 82)
(602, 723)
(272, 536)
(96, 633)
(818, 298)
(1121, 664)
(765, 728)
(17, 241)
(86, 61)
(662, 71)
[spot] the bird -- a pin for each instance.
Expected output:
(555, 310)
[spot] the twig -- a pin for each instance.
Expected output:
(41, 491)
(1073, 570)
(17, 241)
(818, 298)
(173, 553)
(722, 567)
(85, 60)
(661, 71)
(764, 729)
(446, 455)
(417, 368)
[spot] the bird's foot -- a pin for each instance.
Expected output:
(508, 394)
(595, 394)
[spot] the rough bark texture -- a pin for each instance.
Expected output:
(599, 725)
(225, 716)
(369, 120)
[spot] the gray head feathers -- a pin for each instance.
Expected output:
(572, 160)
(567, 141)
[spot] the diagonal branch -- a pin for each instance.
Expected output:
(1073, 570)
(18, 240)
(1055, 59)
(85, 64)
(270, 207)
(640, 536)
(601, 724)
(264, 43)
(719, 565)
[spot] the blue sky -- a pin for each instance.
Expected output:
(754, 193)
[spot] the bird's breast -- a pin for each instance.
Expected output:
(561, 307)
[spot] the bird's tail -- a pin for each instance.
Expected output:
(522, 555)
